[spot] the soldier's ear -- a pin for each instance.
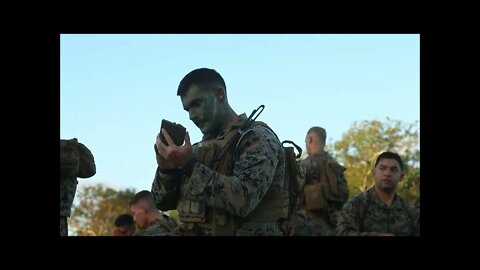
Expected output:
(220, 93)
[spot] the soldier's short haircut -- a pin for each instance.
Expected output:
(142, 195)
(389, 155)
(321, 133)
(201, 76)
(124, 220)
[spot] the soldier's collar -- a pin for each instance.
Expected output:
(241, 119)
(321, 153)
(158, 219)
(374, 196)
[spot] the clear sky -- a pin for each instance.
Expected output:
(116, 89)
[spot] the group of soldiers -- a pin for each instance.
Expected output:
(235, 181)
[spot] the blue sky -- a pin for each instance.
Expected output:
(116, 89)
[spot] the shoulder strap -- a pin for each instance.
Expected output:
(299, 149)
(250, 119)
(244, 129)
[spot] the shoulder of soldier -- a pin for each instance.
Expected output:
(196, 144)
(317, 161)
(330, 161)
(320, 157)
(139, 232)
(258, 133)
(359, 201)
(414, 212)
(157, 228)
(308, 162)
(158, 225)
(408, 207)
(263, 129)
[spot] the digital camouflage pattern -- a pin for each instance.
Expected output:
(298, 225)
(68, 188)
(320, 226)
(165, 226)
(313, 170)
(76, 160)
(258, 170)
(366, 215)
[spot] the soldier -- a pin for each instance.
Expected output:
(150, 221)
(76, 160)
(323, 186)
(230, 183)
(379, 211)
(124, 225)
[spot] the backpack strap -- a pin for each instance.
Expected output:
(299, 149)
(241, 132)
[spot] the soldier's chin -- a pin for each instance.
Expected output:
(387, 188)
(204, 130)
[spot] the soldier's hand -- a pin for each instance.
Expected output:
(161, 161)
(173, 156)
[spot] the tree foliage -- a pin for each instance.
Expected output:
(364, 141)
(97, 209)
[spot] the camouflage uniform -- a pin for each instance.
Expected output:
(366, 215)
(72, 151)
(236, 193)
(321, 221)
(68, 188)
(298, 225)
(165, 226)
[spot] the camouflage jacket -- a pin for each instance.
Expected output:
(311, 171)
(258, 167)
(68, 183)
(366, 215)
(164, 226)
